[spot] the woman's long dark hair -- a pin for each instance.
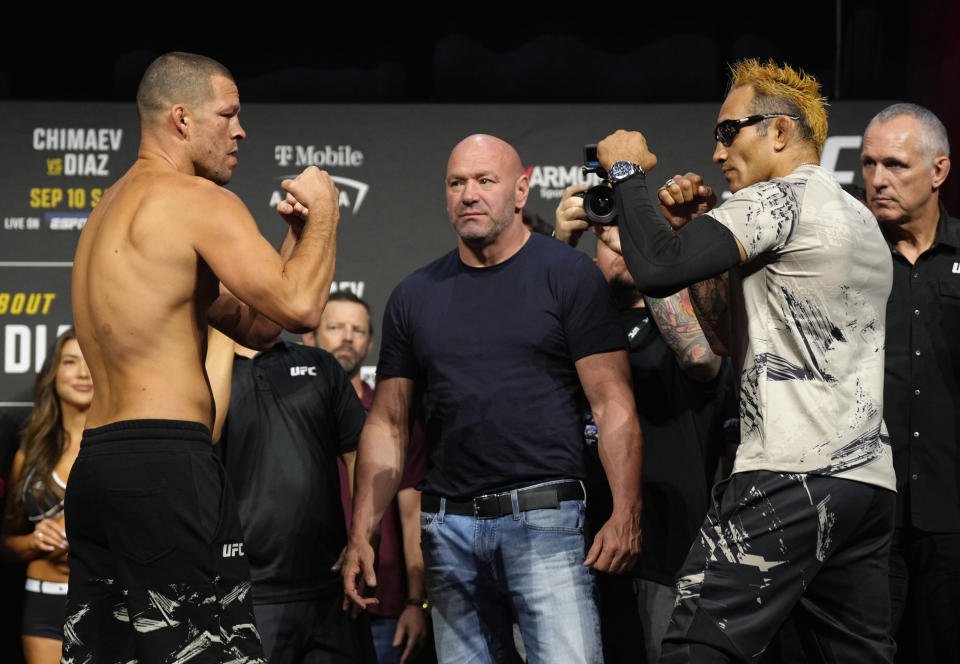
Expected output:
(43, 439)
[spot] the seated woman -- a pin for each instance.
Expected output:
(33, 528)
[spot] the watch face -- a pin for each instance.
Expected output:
(621, 170)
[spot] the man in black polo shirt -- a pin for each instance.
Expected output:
(906, 158)
(292, 412)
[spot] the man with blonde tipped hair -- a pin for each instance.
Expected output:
(158, 571)
(796, 290)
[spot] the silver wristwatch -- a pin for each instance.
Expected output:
(623, 170)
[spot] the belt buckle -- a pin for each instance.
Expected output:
(476, 504)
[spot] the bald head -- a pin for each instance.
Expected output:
(177, 78)
(489, 148)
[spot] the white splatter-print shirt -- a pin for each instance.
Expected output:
(809, 312)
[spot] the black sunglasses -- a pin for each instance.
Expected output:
(727, 130)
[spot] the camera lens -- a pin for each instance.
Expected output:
(599, 205)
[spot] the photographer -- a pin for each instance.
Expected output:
(808, 512)
(678, 392)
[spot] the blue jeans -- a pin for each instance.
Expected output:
(382, 628)
(484, 574)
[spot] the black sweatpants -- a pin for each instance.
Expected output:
(776, 543)
(157, 567)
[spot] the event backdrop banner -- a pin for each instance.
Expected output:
(388, 162)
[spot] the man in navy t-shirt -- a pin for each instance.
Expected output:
(496, 339)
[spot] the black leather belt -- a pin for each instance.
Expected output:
(494, 505)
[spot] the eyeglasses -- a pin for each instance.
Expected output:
(727, 130)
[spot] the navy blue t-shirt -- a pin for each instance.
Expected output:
(493, 350)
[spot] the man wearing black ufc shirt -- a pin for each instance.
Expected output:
(292, 412)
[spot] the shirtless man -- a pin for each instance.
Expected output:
(158, 571)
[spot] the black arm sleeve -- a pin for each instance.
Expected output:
(661, 260)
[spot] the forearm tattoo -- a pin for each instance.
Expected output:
(710, 301)
(680, 328)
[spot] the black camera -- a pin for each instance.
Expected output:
(598, 202)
